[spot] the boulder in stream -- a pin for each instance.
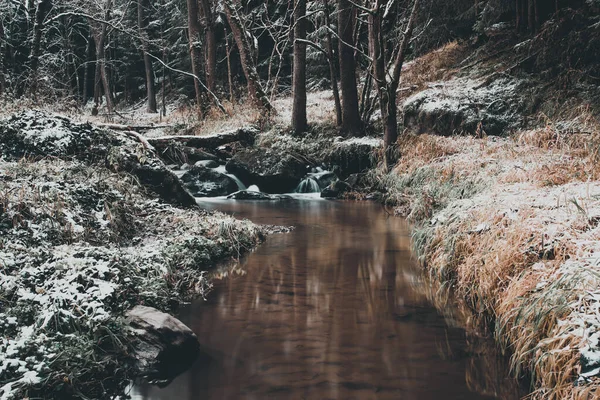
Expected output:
(205, 182)
(164, 347)
(207, 163)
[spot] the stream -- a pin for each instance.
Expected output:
(336, 309)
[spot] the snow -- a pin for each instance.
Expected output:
(79, 245)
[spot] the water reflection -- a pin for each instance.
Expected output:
(334, 310)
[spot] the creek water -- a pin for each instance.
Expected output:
(336, 309)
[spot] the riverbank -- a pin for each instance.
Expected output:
(512, 229)
(84, 237)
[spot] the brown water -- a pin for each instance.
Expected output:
(337, 309)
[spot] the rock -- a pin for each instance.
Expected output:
(207, 164)
(194, 155)
(374, 196)
(34, 133)
(205, 182)
(273, 172)
(164, 347)
(460, 105)
(355, 180)
(353, 156)
(252, 195)
(335, 190)
(325, 178)
(226, 151)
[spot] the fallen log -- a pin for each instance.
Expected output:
(245, 135)
(136, 128)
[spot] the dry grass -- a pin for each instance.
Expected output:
(511, 226)
(438, 65)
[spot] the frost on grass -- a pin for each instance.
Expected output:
(79, 246)
(513, 229)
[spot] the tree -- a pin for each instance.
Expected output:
(194, 39)
(351, 122)
(332, 65)
(387, 81)
(150, 84)
(240, 35)
(100, 34)
(42, 9)
(299, 121)
(210, 43)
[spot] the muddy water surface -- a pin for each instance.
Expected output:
(336, 309)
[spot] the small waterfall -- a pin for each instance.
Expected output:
(239, 183)
(308, 185)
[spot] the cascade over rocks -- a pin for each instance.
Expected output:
(271, 171)
(205, 182)
(164, 347)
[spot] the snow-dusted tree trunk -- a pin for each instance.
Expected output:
(194, 39)
(255, 90)
(331, 61)
(210, 43)
(387, 81)
(351, 122)
(150, 84)
(299, 120)
(100, 34)
(41, 10)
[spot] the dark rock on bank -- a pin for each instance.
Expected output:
(163, 347)
(273, 172)
(464, 105)
(251, 195)
(335, 190)
(353, 156)
(205, 182)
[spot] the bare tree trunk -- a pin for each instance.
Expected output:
(150, 84)
(332, 74)
(255, 91)
(85, 92)
(40, 14)
(299, 120)
(229, 73)
(210, 65)
(387, 82)
(194, 38)
(531, 15)
(100, 33)
(351, 122)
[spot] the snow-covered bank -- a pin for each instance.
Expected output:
(513, 230)
(80, 244)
